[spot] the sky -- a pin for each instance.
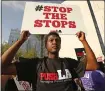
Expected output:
(12, 15)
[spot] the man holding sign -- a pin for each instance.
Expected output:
(51, 73)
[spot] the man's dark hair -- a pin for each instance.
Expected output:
(51, 33)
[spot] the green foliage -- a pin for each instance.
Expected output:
(18, 54)
(31, 53)
(4, 47)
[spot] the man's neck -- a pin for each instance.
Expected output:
(53, 55)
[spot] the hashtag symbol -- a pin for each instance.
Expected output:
(39, 8)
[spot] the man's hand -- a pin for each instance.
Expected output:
(81, 36)
(24, 35)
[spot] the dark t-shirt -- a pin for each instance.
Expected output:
(52, 74)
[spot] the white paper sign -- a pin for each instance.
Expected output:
(22, 85)
(41, 18)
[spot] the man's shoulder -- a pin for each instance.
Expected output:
(28, 60)
(24, 58)
(68, 59)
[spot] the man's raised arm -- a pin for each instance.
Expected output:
(8, 56)
(90, 56)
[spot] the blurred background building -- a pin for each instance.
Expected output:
(33, 42)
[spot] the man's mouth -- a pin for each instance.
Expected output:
(54, 47)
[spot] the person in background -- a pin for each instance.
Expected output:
(94, 80)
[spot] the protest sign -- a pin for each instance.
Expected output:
(41, 18)
(22, 85)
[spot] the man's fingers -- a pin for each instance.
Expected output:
(27, 33)
(80, 33)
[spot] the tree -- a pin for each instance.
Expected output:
(18, 54)
(31, 53)
(4, 47)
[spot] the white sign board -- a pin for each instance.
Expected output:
(69, 43)
(41, 18)
(22, 85)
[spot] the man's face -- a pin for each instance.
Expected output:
(53, 44)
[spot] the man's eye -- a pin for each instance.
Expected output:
(51, 40)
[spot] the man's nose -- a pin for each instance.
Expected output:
(54, 42)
